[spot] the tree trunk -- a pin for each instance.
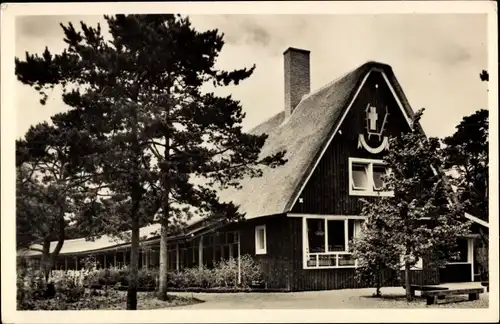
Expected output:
(45, 262)
(409, 297)
(60, 241)
(163, 271)
(163, 280)
(134, 265)
(379, 284)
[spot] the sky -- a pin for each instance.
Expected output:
(437, 58)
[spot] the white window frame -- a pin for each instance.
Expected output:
(258, 250)
(369, 163)
(358, 222)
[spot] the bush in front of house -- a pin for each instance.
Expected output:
(146, 278)
(223, 275)
(33, 292)
(69, 289)
(226, 272)
(202, 277)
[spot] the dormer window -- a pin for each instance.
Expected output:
(366, 177)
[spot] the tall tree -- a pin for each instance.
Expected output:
(466, 154)
(139, 94)
(424, 222)
(53, 170)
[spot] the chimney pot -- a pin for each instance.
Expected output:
(297, 77)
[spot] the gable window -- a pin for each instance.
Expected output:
(260, 240)
(366, 177)
(326, 242)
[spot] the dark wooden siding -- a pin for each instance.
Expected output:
(327, 191)
(276, 263)
(324, 279)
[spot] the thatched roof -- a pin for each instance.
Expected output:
(303, 135)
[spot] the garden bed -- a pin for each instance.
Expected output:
(114, 301)
(140, 288)
(226, 290)
(201, 289)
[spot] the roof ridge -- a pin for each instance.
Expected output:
(333, 81)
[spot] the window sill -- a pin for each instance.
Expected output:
(261, 252)
(329, 267)
(371, 193)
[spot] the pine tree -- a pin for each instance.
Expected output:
(467, 155)
(53, 171)
(139, 95)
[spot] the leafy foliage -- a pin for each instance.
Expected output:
(466, 153)
(223, 275)
(374, 249)
(423, 219)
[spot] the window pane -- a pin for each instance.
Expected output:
(327, 260)
(378, 172)
(230, 237)
(225, 251)
(234, 250)
(336, 235)
(350, 229)
(311, 261)
(462, 249)
(316, 235)
(218, 255)
(346, 260)
(260, 238)
(359, 176)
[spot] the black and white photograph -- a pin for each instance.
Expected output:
(182, 158)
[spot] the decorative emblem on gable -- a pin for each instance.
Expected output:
(375, 125)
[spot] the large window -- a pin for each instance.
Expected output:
(366, 177)
(326, 242)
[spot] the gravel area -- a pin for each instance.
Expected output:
(393, 297)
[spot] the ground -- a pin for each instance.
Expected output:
(340, 299)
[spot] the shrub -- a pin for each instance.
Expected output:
(69, 289)
(33, 292)
(199, 277)
(225, 274)
(114, 276)
(177, 279)
(146, 277)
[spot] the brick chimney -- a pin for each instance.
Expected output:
(297, 77)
